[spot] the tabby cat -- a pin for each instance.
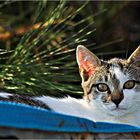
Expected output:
(111, 90)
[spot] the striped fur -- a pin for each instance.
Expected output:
(24, 99)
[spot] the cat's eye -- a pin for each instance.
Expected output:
(102, 87)
(129, 84)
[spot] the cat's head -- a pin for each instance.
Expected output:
(114, 85)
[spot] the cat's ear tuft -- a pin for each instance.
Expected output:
(135, 56)
(87, 62)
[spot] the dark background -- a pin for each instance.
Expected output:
(115, 28)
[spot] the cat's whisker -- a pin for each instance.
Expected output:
(127, 52)
(133, 63)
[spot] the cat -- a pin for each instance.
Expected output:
(111, 90)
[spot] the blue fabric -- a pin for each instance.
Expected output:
(24, 116)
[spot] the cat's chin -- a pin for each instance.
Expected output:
(117, 111)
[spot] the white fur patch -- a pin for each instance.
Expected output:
(4, 94)
(120, 75)
(70, 106)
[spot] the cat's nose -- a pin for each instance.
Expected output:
(116, 98)
(116, 102)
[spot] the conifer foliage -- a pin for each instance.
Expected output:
(39, 42)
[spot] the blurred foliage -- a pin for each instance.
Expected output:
(38, 41)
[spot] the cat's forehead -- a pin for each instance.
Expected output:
(118, 73)
(116, 62)
(114, 69)
(118, 67)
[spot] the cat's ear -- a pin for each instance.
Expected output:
(87, 62)
(135, 56)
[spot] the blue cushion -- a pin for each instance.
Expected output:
(28, 117)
